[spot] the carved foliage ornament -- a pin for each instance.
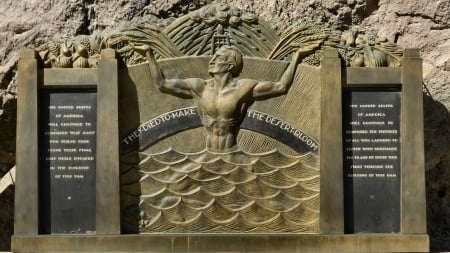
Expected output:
(203, 31)
(79, 52)
(362, 50)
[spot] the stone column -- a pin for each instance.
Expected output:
(331, 164)
(413, 200)
(26, 218)
(108, 185)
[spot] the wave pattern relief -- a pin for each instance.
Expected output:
(220, 192)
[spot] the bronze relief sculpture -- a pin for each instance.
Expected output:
(231, 183)
(217, 132)
(223, 100)
(224, 136)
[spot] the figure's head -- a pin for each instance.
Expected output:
(226, 59)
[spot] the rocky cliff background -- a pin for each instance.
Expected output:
(423, 24)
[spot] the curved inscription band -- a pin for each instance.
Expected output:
(172, 122)
(161, 126)
(279, 130)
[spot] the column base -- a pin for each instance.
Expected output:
(288, 243)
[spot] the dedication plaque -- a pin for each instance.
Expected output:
(371, 160)
(67, 161)
(218, 133)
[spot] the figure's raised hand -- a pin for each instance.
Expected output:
(308, 49)
(304, 50)
(141, 48)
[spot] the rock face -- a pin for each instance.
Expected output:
(6, 218)
(423, 24)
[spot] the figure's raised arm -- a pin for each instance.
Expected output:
(266, 89)
(186, 88)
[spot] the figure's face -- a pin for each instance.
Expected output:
(220, 63)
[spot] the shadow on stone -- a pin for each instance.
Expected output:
(6, 218)
(437, 157)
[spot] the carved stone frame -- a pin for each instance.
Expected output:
(412, 236)
(409, 77)
(32, 78)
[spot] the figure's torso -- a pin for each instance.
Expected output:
(222, 110)
(224, 104)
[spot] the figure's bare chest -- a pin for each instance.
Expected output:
(220, 103)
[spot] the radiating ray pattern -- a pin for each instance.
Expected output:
(220, 192)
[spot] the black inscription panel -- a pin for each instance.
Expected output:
(371, 131)
(67, 161)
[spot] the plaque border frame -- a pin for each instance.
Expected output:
(412, 161)
(412, 236)
(32, 78)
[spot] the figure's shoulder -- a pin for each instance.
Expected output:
(208, 82)
(195, 83)
(196, 80)
(246, 82)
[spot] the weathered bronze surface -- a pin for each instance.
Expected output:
(70, 53)
(26, 204)
(204, 31)
(225, 243)
(233, 180)
(108, 189)
(412, 145)
(331, 187)
(219, 185)
(222, 101)
(226, 142)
